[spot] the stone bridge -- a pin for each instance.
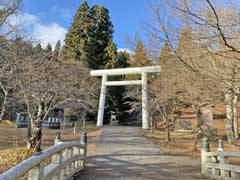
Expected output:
(118, 153)
(122, 153)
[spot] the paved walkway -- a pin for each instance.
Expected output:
(123, 154)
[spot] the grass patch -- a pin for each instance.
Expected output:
(11, 157)
(13, 142)
(182, 143)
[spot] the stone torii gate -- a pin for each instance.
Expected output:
(125, 71)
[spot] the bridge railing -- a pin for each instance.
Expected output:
(215, 164)
(59, 162)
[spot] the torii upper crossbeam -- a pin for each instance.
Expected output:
(124, 71)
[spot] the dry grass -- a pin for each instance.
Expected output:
(11, 157)
(13, 142)
(182, 142)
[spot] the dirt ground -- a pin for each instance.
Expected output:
(182, 142)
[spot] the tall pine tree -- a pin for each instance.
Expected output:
(165, 54)
(111, 55)
(38, 47)
(48, 52)
(186, 44)
(140, 57)
(101, 37)
(78, 35)
(57, 51)
(123, 59)
(89, 36)
(116, 95)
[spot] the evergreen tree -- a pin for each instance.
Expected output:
(78, 35)
(48, 52)
(186, 44)
(49, 48)
(38, 47)
(165, 53)
(168, 63)
(89, 36)
(116, 98)
(101, 37)
(188, 50)
(122, 59)
(111, 55)
(57, 51)
(140, 57)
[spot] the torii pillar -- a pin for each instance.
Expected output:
(125, 71)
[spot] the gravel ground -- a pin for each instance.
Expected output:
(121, 153)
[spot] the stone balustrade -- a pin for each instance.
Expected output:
(215, 164)
(59, 162)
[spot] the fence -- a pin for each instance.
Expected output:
(59, 162)
(50, 122)
(215, 164)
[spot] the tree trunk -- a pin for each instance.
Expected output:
(74, 127)
(235, 115)
(36, 132)
(3, 106)
(29, 133)
(151, 125)
(196, 110)
(196, 139)
(64, 123)
(168, 139)
(230, 116)
(84, 122)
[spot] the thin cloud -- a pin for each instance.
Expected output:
(23, 19)
(125, 49)
(39, 32)
(49, 34)
(64, 13)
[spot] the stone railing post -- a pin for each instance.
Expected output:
(58, 158)
(76, 151)
(57, 138)
(205, 148)
(220, 146)
(83, 151)
(36, 173)
(68, 154)
(221, 158)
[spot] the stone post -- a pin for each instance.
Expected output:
(68, 154)
(76, 151)
(57, 138)
(220, 146)
(56, 160)
(221, 158)
(83, 151)
(205, 148)
(36, 173)
(18, 116)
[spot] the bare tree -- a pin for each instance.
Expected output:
(7, 9)
(7, 79)
(215, 55)
(45, 85)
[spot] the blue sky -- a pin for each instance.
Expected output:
(49, 20)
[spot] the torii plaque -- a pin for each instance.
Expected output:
(125, 71)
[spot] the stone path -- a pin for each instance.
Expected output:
(121, 153)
